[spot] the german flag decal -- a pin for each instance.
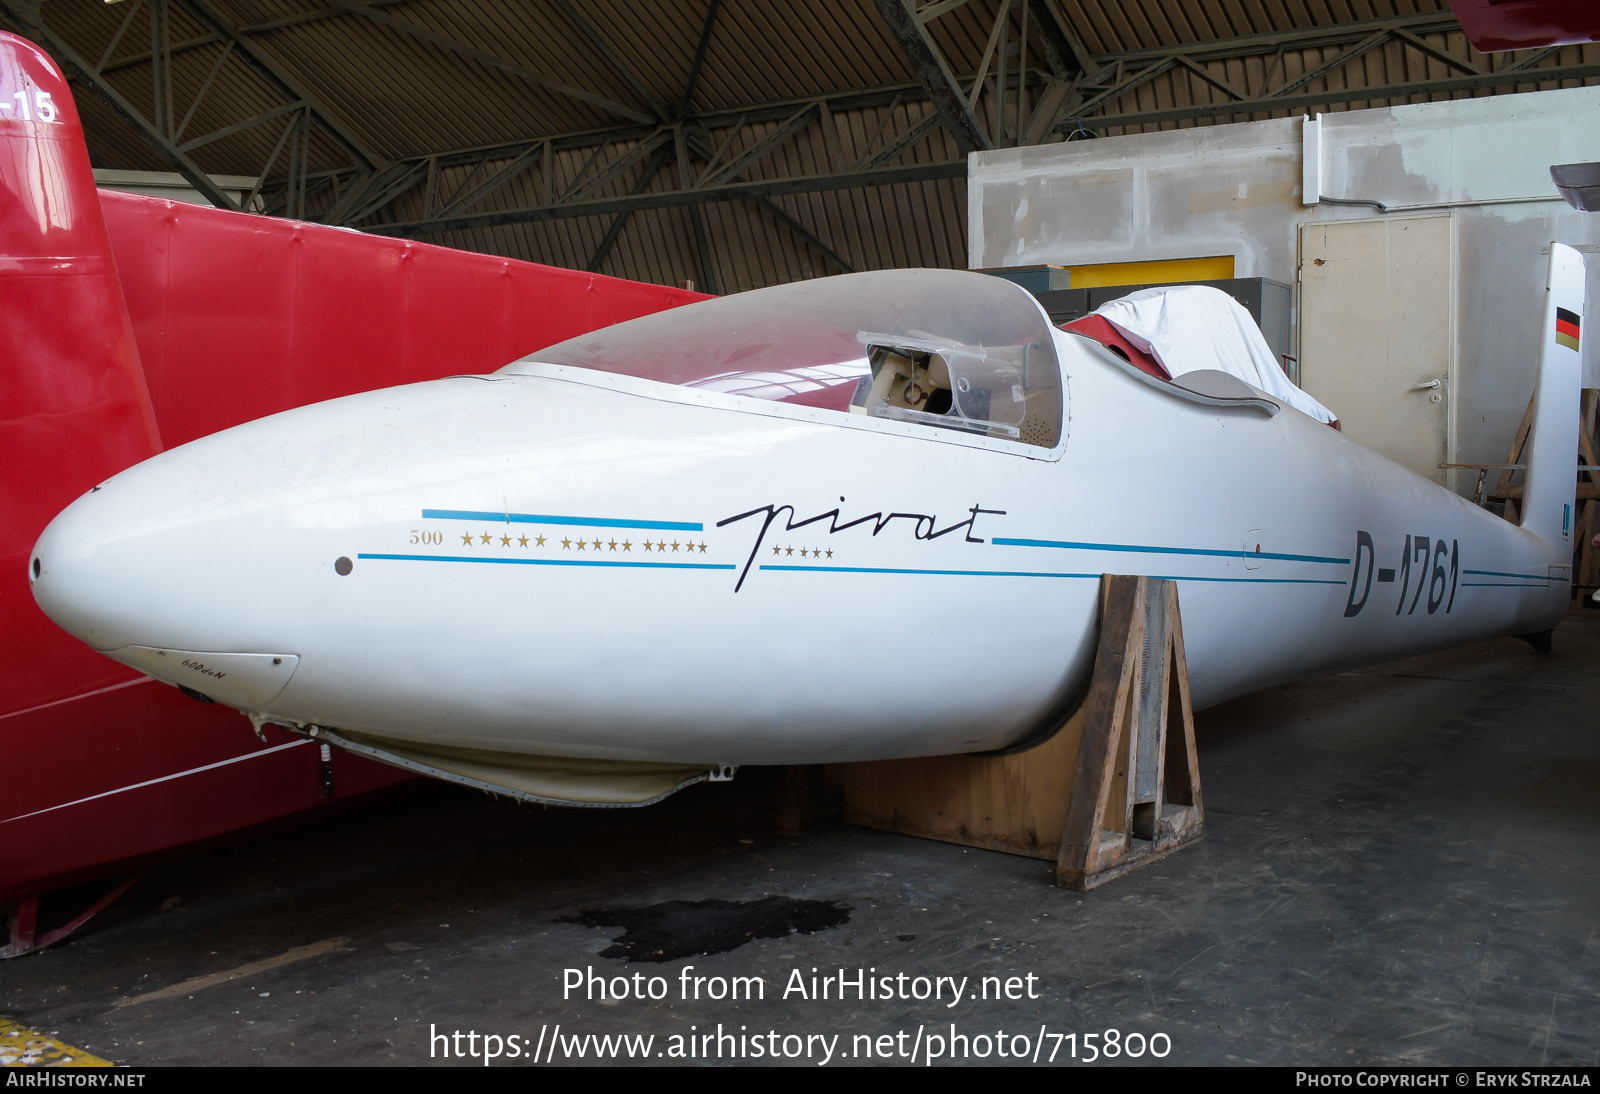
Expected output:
(1566, 328)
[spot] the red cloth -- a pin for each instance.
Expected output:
(1101, 330)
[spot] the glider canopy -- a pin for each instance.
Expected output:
(936, 347)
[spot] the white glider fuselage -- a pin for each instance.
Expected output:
(570, 563)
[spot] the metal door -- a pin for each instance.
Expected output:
(1377, 333)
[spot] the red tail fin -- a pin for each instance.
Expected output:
(73, 404)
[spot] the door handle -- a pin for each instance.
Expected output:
(1431, 385)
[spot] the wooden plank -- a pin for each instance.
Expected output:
(1516, 450)
(1586, 491)
(1176, 818)
(1586, 423)
(1183, 769)
(1072, 798)
(1587, 575)
(1121, 630)
(1016, 804)
(809, 798)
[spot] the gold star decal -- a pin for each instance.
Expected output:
(830, 552)
(596, 545)
(660, 546)
(626, 545)
(612, 545)
(539, 542)
(674, 545)
(487, 537)
(648, 546)
(788, 550)
(565, 544)
(582, 544)
(505, 541)
(702, 548)
(522, 540)
(777, 550)
(467, 538)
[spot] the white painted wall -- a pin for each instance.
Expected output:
(1236, 189)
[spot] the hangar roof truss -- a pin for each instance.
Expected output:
(735, 142)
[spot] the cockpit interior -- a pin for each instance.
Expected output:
(939, 348)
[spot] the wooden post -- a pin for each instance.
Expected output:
(1118, 786)
(1586, 574)
(1502, 488)
(1136, 791)
(808, 799)
(1586, 515)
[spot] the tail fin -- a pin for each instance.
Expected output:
(76, 408)
(1551, 450)
(73, 404)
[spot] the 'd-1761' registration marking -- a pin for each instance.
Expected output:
(1434, 564)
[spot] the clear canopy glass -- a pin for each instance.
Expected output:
(938, 347)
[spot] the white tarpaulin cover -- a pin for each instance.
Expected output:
(1193, 327)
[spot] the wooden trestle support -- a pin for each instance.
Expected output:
(1115, 788)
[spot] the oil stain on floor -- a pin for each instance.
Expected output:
(687, 928)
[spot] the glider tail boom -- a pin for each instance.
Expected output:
(1549, 489)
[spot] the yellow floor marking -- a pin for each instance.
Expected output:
(22, 1047)
(189, 987)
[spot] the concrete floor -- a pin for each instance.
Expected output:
(1402, 866)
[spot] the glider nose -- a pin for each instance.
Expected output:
(75, 578)
(132, 593)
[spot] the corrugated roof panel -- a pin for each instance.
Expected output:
(900, 225)
(404, 97)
